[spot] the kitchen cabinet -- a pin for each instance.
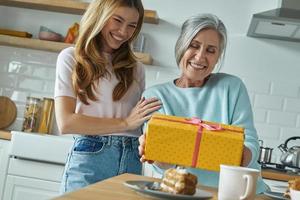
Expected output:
(65, 6)
(34, 168)
(32, 180)
(23, 188)
(4, 148)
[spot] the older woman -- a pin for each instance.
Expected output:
(198, 92)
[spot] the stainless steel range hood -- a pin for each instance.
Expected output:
(281, 23)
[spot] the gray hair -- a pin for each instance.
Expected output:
(192, 26)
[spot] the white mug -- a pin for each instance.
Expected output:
(295, 194)
(237, 183)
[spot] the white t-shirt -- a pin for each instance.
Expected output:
(104, 106)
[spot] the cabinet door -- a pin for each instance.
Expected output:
(21, 188)
(4, 145)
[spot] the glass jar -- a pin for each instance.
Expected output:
(46, 116)
(31, 114)
(138, 44)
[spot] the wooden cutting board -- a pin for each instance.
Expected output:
(8, 112)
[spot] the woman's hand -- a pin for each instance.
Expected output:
(247, 156)
(142, 112)
(142, 141)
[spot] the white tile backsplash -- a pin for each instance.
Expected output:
(282, 118)
(157, 75)
(266, 131)
(284, 89)
(4, 66)
(259, 86)
(298, 122)
(45, 73)
(268, 102)
(260, 115)
(17, 125)
(7, 91)
(292, 105)
(289, 132)
(20, 110)
(7, 80)
(48, 86)
(19, 96)
(26, 72)
(27, 83)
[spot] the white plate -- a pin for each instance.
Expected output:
(144, 187)
(276, 195)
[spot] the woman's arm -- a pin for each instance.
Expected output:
(243, 116)
(70, 122)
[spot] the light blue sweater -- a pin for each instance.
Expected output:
(222, 99)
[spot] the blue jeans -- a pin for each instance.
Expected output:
(95, 158)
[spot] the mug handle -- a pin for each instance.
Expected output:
(249, 186)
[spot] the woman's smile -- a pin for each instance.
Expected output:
(117, 37)
(197, 66)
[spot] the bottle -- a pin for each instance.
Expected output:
(46, 121)
(31, 114)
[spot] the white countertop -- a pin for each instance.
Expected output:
(47, 148)
(277, 186)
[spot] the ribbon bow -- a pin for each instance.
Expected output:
(210, 127)
(201, 124)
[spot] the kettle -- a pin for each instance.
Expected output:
(290, 156)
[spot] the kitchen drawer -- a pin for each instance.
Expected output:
(47, 148)
(23, 188)
(34, 169)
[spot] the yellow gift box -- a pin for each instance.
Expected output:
(192, 142)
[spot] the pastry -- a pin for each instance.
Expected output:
(179, 181)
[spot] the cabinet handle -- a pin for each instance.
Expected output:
(277, 23)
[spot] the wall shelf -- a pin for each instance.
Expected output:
(67, 6)
(53, 46)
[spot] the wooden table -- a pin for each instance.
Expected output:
(113, 189)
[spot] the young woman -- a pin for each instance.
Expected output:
(98, 94)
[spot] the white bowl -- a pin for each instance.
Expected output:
(295, 194)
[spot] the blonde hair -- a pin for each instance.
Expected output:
(90, 62)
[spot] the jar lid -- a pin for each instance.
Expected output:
(33, 98)
(48, 99)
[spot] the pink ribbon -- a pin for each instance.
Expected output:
(201, 125)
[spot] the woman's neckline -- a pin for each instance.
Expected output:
(193, 87)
